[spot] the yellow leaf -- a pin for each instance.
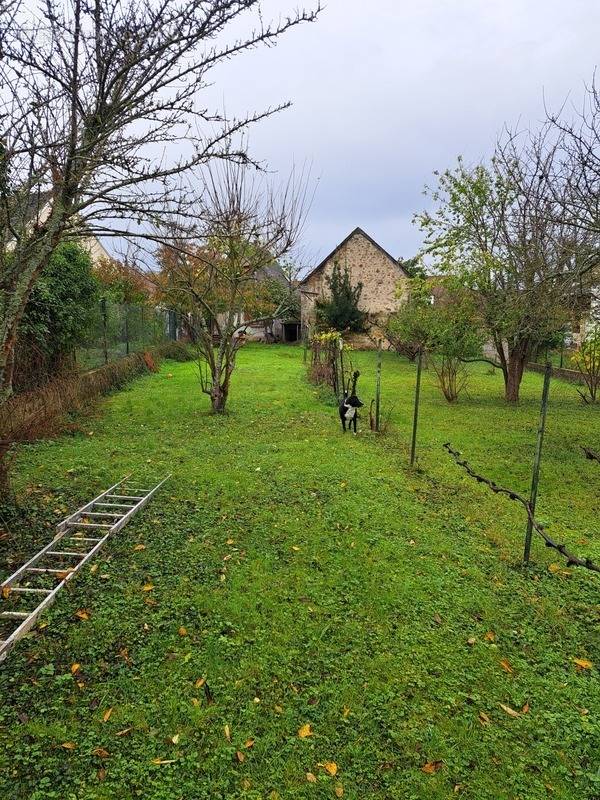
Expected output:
(227, 732)
(106, 715)
(295, 547)
(431, 767)
(249, 743)
(504, 663)
(139, 547)
(182, 631)
(147, 587)
(311, 778)
(554, 568)
(304, 731)
(483, 718)
(163, 761)
(330, 768)
(278, 709)
(230, 541)
(525, 708)
(69, 745)
(200, 683)
(82, 613)
(175, 739)
(94, 568)
(346, 712)
(195, 702)
(510, 711)
(490, 636)
(6, 590)
(75, 668)
(583, 663)
(100, 752)
(339, 791)
(240, 756)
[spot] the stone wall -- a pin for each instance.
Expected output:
(380, 275)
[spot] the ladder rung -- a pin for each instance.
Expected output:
(89, 524)
(28, 590)
(81, 539)
(103, 514)
(123, 497)
(135, 489)
(15, 614)
(49, 569)
(115, 505)
(65, 553)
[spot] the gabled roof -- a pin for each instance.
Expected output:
(346, 240)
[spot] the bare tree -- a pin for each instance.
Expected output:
(100, 117)
(246, 225)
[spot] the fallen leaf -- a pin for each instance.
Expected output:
(471, 641)
(437, 619)
(504, 663)
(94, 568)
(295, 547)
(230, 541)
(100, 752)
(200, 683)
(101, 774)
(75, 668)
(64, 573)
(106, 715)
(240, 756)
(175, 739)
(304, 731)
(278, 709)
(163, 761)
(510, 711)
(339, 791)
(139, 547)
(431, 767)
(345, 712)
(82, 613)
(490, 636)
(249, 743)
(311, 778)
(6, 590)
(554, 568)
(147, 587)
(124, 732)
(525, 708)
(483, 718)
(583, 663)
(69, 745)
(182, 631)
(330, 767)
(227, 733)
(195, 702)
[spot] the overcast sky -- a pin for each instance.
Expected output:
(385, 92)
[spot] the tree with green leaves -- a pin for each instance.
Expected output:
(499, 230)
(58, 315)
(446, 329)
(340, 310)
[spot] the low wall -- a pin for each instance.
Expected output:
(571, 375)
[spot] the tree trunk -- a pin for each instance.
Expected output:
(514, 375)
(218, 398)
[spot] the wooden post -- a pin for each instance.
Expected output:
(413, 444)
(535, 478)
(378, 390)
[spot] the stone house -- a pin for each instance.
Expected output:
(385, 282)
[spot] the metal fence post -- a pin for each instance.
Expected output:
(535, 478)
(104, 312)
(378, 389)
(413, 444)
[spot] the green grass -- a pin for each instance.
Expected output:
(319, 582)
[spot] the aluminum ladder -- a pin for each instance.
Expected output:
(78, 538)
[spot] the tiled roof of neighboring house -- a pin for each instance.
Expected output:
(345, 241)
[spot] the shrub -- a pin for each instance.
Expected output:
(587, 361)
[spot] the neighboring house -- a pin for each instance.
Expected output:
(273, 330)
(39, 207)
(384, 281)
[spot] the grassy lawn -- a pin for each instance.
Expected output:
(311, 579)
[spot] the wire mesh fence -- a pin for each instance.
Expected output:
(119, 329)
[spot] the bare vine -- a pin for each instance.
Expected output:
(572, 559)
